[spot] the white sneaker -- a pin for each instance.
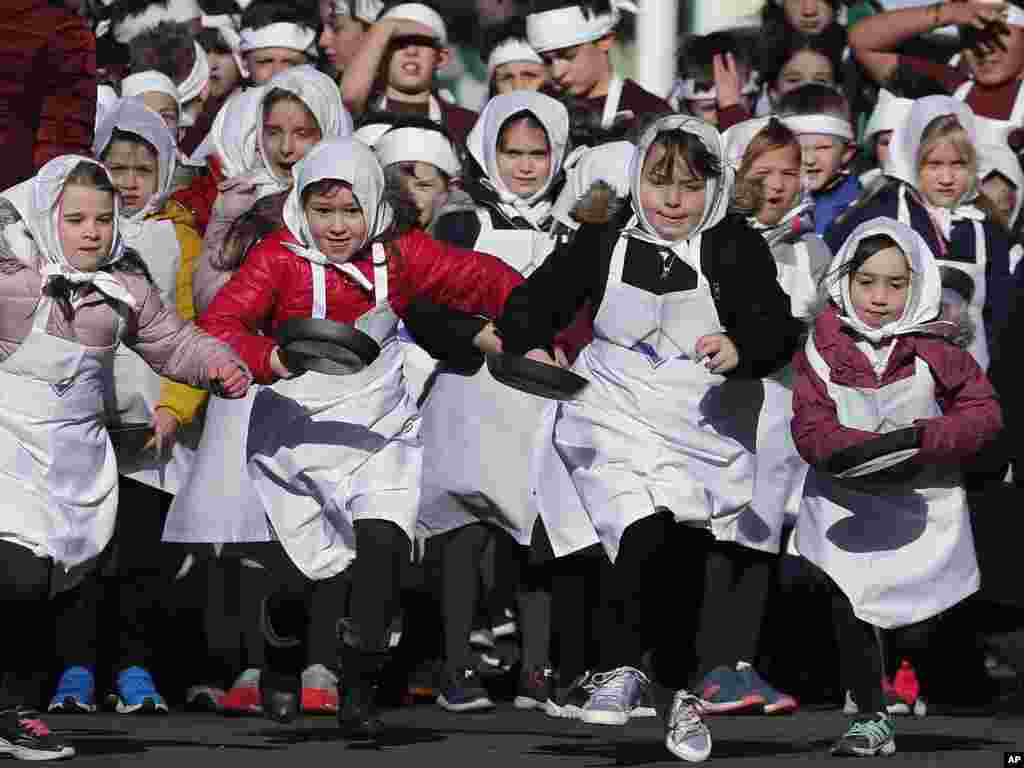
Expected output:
(850, 706)
(687, 735)
(616, 694)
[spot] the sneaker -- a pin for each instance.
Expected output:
(895, 705)
(463, 692)
(869, 736)
(136, 692)
(920, 707)
(24, 736)
(723, 691)
(76, 692)
(481, 638)
(775, 702)
(687, 735)
(615, 695)
(244, 696)
(204, 698)
(536, 687)
(319, 690)
(507, 627)
(850, 705)
(646, 707)
(569, 702)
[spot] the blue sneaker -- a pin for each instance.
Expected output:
(76, 692)
(775, 701)
(616, 694)
(136, 692)
(722, 691)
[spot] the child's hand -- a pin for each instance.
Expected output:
(235, 197)
(727, 80)
(973, 14)
(165, 428)
(542, 356)
(488, 341)
(718, 353)
(229, 381)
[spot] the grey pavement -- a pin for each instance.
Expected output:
(425, 736)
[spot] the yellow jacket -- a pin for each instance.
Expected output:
(182, 400)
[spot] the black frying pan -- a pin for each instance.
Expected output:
(875, 455)
(311, 344)
(535, 378)
(130, 439)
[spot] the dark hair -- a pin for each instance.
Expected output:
(866, 248)
(814, 99)
(697, 57)
(212, 41)
(167, 47)
(276, 95)
(512, 28)
(679, 144)
(772, 62)
(263, 13)
(90, 175)
(776, 33)
(523, 116)
(130, 138)
(405, 217)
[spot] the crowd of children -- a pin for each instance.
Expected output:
(786, 284)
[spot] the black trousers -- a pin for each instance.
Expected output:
(24, 596)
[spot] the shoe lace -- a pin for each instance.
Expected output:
(610, 687)
(875, 730)
(686, 717)
(34, 725)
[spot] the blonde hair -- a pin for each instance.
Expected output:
(947, 128)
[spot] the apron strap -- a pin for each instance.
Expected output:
(41, 316)
(960, 94)
(816, 360)
(980, 244)
(618, 260)
(319, 290)
(611, 102)
(380, 274)
(1017, 115)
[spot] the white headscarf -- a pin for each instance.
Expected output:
(924, 296)
(321, 96)
(570, 25)
(106, 97)
(482, 144)
(509, 50)
(405, 144)
(999, 158)
(347, 160)
(150, 81)
(233, 136)
(281, 34)
(422, 14)
(889, 112)
(135, 117)
(37, 201)
(191, 87)
(367, 11)
(718, 193)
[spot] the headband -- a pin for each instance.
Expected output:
(570, 25)
(406, 145)
(820, 124)
(512, 49)
(150, 81)
(421, 14)
(281, 34)
(175, 11)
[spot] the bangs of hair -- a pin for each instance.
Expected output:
(325, 188)
(523, 116)
(130, 138)
(90, 175)
(685, 148)
(277, 95)
(947, 128)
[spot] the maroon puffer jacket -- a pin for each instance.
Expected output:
(273, 285)
(970, 418)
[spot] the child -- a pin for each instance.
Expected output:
(688, 315)
(158, 92)
(477, 433)
(403, 50)
(695, 91)
(575, 40)
(820, 117)
(359, 491)
(890, 110)
(73, 291)
(1001, 180)
(274, 37)
(934, 165)
(512, 64)
(221, 41)
(171, 48)
(896, 543)
(344, 24)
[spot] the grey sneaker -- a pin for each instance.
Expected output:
(616, 694)
(687, 735)
(569, 702)
(869, 736)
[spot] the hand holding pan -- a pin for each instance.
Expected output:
(876, 455)
(311, 344)
(535, 378)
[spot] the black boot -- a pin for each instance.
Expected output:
(362, 664)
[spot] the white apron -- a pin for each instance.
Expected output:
(328, 450)
(976, 271)
(989, 129)
(655, 429)
(901, 553)
(135, 391)
(58, 473)
(478, 433)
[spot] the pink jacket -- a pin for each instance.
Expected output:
(971, 415)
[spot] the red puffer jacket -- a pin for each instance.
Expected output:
(274, 285)
(970, 418)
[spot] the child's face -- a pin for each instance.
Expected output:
(1003, 195)
(165, 106)
(878, 290)
(427, 187)
(337, 223)
(802, 68)
(944, 176)
(524, 158)
(582, 69)
(224, 74)
(519, 76)
(413, 61)
(340, 37)
(999, 59)
(824, 157)
(264, 63)
(289, 132)
(135, 170)
(673, 203)
(809, 16)
(778, 171)
(85, 226)
(882, 141)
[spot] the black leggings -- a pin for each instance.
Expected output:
(24, 596)
(461, 552)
